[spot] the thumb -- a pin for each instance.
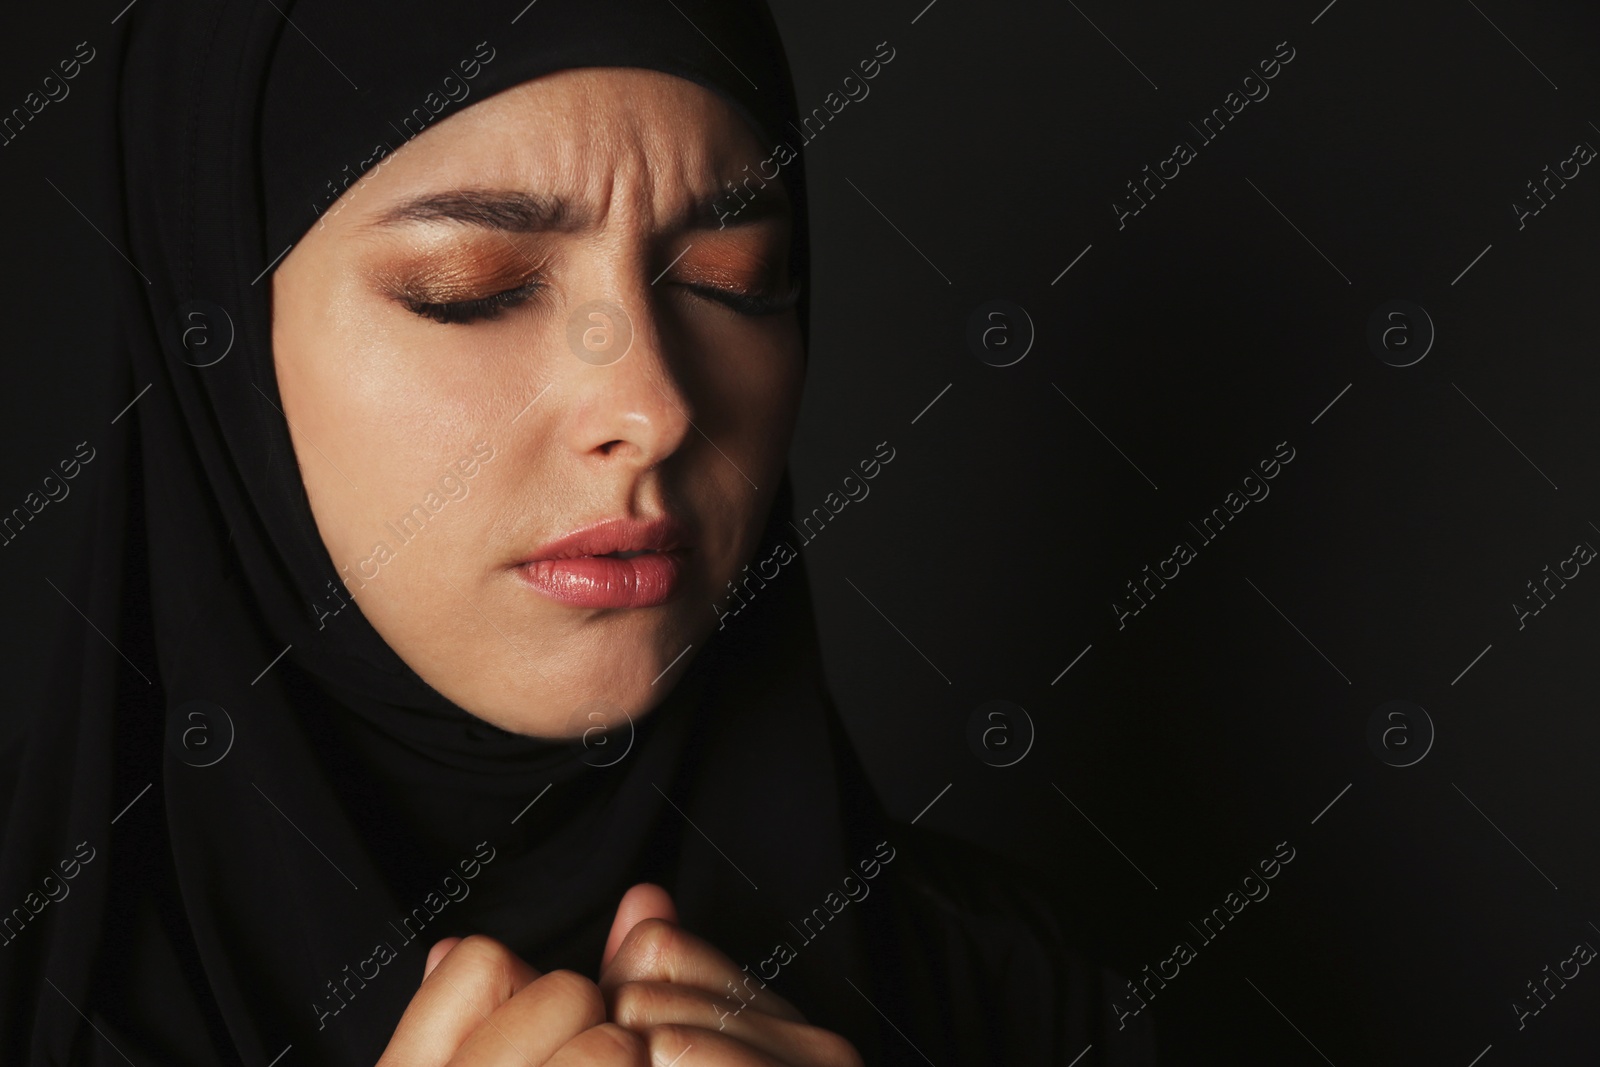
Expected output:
(643, 901)
(438, 952)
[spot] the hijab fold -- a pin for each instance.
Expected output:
(321, 804)
(283, 816)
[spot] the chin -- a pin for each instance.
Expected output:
(608, 680)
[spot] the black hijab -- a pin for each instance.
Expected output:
(269, 816)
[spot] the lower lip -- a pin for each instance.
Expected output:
(607, 582)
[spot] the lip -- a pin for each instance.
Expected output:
(576, 569)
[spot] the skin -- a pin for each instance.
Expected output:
(383, 405)
(694, 420)
(662, 991)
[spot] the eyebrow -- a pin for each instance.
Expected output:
(493, 209)
(516, 211)
(742, 207)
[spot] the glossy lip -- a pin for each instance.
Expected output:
(576, 569)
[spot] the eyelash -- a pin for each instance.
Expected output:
(754, 305)
(466, 312)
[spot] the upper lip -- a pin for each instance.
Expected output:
(661, 534)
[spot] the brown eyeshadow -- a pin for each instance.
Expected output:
(729, 266)
(442, 277)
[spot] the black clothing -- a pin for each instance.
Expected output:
(270, 815)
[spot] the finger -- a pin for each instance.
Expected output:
(527, 1029)
(606, 1045)
(476, 975)
(658, 951)
(670, 1044)
(643, 901)
(645, 1006)
(437, 953)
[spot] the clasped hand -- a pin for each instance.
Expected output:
(664, 997)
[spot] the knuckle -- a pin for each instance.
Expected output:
(651, 940)
(573, 988)
(669, 1039)
(484, 962)
(635, 1004)
(622, 1043)
(480, 950)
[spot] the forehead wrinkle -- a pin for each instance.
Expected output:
(668, 172)
(638, 177)
(585, 165)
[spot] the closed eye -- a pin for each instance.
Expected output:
(462, 312)
(479, 309)
(752, 304)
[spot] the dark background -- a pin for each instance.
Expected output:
(1224, 318)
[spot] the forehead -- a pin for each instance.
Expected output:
(597, 140)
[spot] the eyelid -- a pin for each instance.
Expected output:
(728, 268)
(738, 274)
(753, 304)
(476, 309)
(441, 271)
(462, 283)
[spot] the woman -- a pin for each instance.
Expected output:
(458, 406)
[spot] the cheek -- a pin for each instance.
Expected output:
(377, 414)
(753, 386)
(757, 378)
(784, 380)
(381, 412)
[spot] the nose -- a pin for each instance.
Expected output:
(627, 402)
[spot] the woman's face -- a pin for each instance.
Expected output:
(528, 324)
